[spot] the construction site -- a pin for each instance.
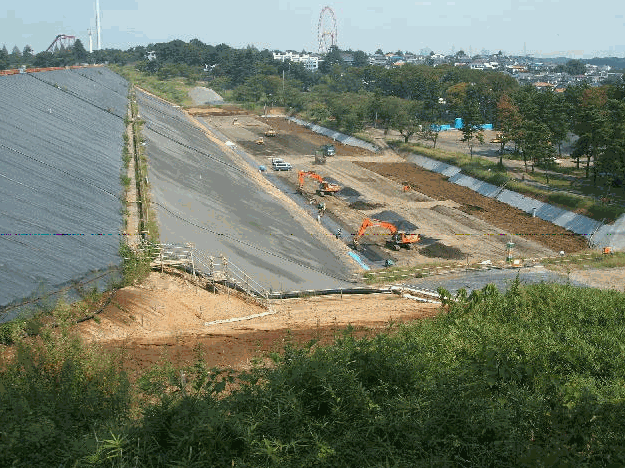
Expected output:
(265, 225)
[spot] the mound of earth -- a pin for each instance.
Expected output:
(438, 250)
(348, 192)
(400, 223)
(363, 205)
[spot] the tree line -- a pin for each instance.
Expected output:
(413, 99)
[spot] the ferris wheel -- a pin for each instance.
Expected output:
(326, 31)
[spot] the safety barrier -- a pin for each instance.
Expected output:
(17, 71)
(337, 136)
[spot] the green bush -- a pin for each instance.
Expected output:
(54, 397)
(531, 377)
(608, 212)
(564, 199)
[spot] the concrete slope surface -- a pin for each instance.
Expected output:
(203, 196)
(60, 161)
(502, 279)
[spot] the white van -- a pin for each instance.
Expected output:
(282, 166)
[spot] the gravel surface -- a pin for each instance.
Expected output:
(200, 95)
(501, 278)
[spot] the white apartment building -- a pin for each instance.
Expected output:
(311, 62)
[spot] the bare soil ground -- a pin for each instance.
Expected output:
(169, 317)
(495, 213)
(603, 278)
(437, 217)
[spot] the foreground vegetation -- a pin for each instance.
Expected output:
(532, 377)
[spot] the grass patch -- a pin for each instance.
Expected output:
(392, 274)
(365, 137)
(594, 260)
(175, 90)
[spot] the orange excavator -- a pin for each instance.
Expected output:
(398, 238)
(325, 188)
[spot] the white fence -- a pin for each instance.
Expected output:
(337, 136)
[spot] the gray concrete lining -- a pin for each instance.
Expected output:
(60, 161)
(474, 280)
(203, 196)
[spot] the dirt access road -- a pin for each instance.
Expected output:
(475, 230)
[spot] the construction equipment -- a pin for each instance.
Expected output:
(320, 157)
(328, 150)
(398, 238)
(498, 138)
(325, 188)
(270, 133)
(260, 141)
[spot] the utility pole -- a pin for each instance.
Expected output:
(97, 24)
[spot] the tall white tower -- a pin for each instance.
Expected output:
(97, 24)
(90, 42)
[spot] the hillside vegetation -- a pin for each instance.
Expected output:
(532, 377)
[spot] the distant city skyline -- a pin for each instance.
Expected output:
(544, 28)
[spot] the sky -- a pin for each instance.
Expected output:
(569, 28)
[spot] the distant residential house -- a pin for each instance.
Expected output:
(399, 63)
(347, 58)
(517, 68)
(544, 85)
(377, 59)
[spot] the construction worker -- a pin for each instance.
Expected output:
(338, 233)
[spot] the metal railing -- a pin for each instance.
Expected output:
(220, 270)
(216, 269)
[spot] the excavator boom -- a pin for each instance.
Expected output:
(398, 238)
(324, 187)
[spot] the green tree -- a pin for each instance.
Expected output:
(360, 59)
(429, 132)
(80, 54)
(509, 123)
(472, 120)
(612, 160)
(572, 67)
(404, 120)
(592, 126)
(44, 59)
(27, 54)
(333, 57)
(537, 144)
(4, 58)
(16, 57)
(389, 106)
